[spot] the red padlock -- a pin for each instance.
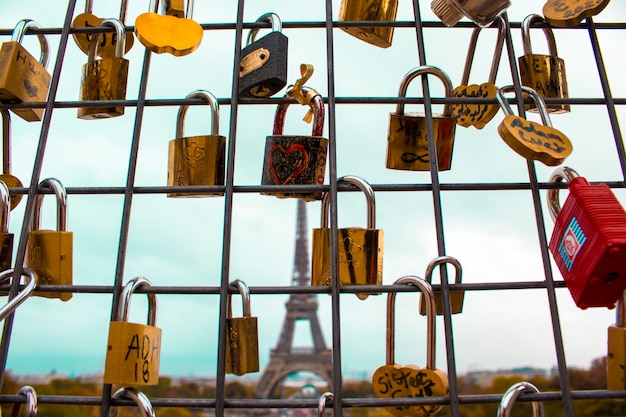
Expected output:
(588, 242)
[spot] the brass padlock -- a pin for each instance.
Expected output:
(174, 8)
(263, 66)
(31, 402)
(456, 296)
(360, 250)
(23, 79)
(512, 394)
(6, 238)
(104, 79)
(481, 12)
(543, 73)
(366, 11)
(616, 352)
(407, 142)
(49, 253)
(30, 284)
(242, 336)
(296, 159)
(138, 397)
(530, 139)
(568, 13)
(393, 380)
(478, 115)
(9, 180)
(197, 160)
(133, 350)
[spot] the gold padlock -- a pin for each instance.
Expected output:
(104, 79)
(197, 160)
(49, 253)
(23, 79)
(481, 12)
(407, 142)
(456, 296)
(31, 402)
(133, 394)
(512, 394)
(543, 73)
(369, 10)
(360, 250)
(30, 284)
(10, 180)
(616, 354)
(242, 337)
(6, 238)
(133, 350)
(393, 380)
(174, 8)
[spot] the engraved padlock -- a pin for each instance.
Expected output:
(6, 238)
(30, 402)
(393, 380)
(263, 66)
(133, 350)
(543, 73)
(197, 160)
(29, 286)
(23, 79)
(366, 11)
(296, 159)
(531, 139)
(481, 12)
(242, 336)
(323, 402)
(478, 115)
(456, 296)
(407, 142)
(568, 13)
(10, 180)
(49, 253)
(588, 241)
(104, 79)
(138, 397)
(360, 250)
(513, 393)
(616, 349)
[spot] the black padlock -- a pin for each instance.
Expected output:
(263, 66)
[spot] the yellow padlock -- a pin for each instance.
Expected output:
(242, 337)
(456, 296)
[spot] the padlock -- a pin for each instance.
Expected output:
(393, 380)
(407, 143)
(133, 350)
(478, 115)
(323, 402)
(9, 180)
(568, 13)
(512, 394)
(531, 139)
(616, 352)
(49, 253)
(481, 12)
(104, 79)
(360, 251)
(30, 284)
(197, 160)
(138, 397)
(31, 402)
(174, 8)
(366, 11)
(23, 79)
(6, 238)
(296, 159)
(543, 73)
(456, 296)
(242, 336)
(263, 66)
(588, 242)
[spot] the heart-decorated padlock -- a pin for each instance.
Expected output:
(543, 73)
(359, 250)
(296, 159)
(513, 393)
(104, 79)
(531, 139)
(616, 349)
(478, 115)
(133, 350)
(197, 160)
(10, 180)
(456, 296)
(138, 397)
(29, 286)
(242, 336)
(23, 79)
(393, 380)
(6, 238)
(588, 242)
(177, 36)
(30, 402)
(407, 142)
(263, 66)
(50, 253)
(568, 13)
(369, 11)
(481, 12)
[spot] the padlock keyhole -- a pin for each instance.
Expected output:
(610, 277)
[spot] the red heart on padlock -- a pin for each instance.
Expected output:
(287, 164)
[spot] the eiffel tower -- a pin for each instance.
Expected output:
(284, 358)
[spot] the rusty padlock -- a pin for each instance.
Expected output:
(242, 336)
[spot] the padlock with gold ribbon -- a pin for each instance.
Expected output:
(456, 296)
(242, 336)
(366, 11)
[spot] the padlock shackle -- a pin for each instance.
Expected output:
(322, 403)
(127, 292)
(20, 30)
(120, 45)
(316, 104)
(31, 402)
(511, 395)
(495, 62)
(133, 394)
(539, 103)
(366, 188)
(443, 260)
(424, 70)
(239, 285)
(5, 204)
(61, 196)
(559, 174)
(269, 17)
(431, 312)
(6, 277)
(215, 113)
(6, 141)
(526, 24)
